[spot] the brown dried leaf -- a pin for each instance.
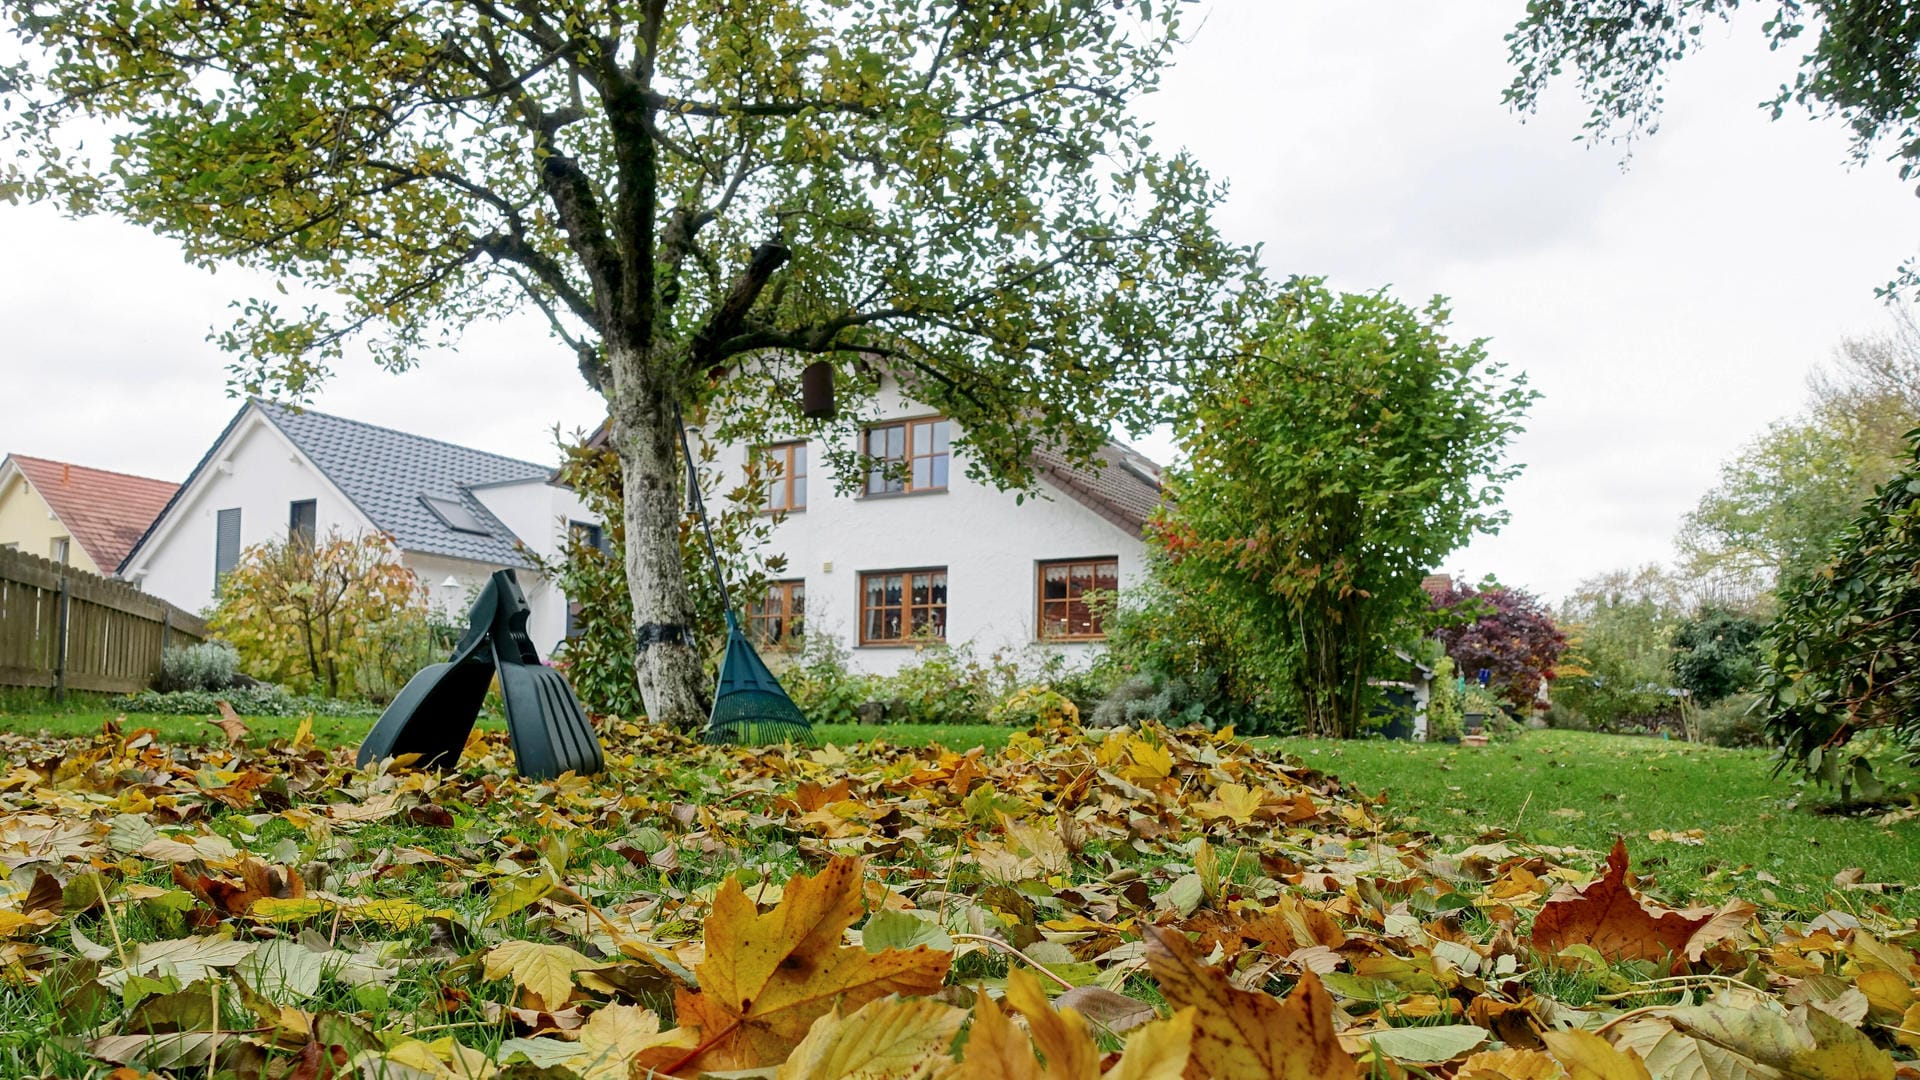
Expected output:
(1608, 916)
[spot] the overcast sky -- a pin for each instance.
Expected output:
(1667, 311)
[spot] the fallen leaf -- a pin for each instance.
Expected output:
(1805, 1043)
(544, 970)
(1587, 1056)
(230, 723)
(1113, 1012)
(1512, 1063)
(1245, 1033)
(888, 1037)
(1607, 916)
(1420, 1045)
(767, 978)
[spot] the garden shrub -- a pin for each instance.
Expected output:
(1716, 653)
(264, 699)
(1155, 698)
(1446, 706)
(321, 616)
(1564, 717)
(1839, 657)
(1176, 657)
(943, 685)
(209, 665)
(1733, 722)
(1034, 705)
(820, 683)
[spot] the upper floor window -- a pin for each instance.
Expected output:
(779, 619)
(1069, 598)
(226, 545)
(908, 455)
(899, 607)
(61, 550)
(590, 535)
(786, 475)
(302, 517)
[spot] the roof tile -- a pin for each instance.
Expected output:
(104, 511)
(385, 472)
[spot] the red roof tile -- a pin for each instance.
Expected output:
(104, 511)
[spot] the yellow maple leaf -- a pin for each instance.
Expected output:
(1150, 762)
(1589, 1057)
(996, 1050)
(14, 924)
(889, 1037)
(1236, 801)
(1245, 1033)
(767, 978)
(615, 1034)
(544, 970)
(1160, 1050)
(1511, 1063)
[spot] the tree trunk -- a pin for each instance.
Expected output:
(646, 435)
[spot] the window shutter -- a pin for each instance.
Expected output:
(226, 545)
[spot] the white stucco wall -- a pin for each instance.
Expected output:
(990, 545)
(258, 472)
(536, 511)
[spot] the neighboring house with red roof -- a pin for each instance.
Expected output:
(74, 515)
(919, 552)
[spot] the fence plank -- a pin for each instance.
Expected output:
(65, 628)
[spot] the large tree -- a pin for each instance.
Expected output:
(1351, 447)
(1858, 65)
(700, 197)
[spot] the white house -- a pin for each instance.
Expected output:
(936, 555)
(455, 513)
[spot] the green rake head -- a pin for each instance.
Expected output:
(750, 708)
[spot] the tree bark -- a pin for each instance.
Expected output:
(646, 436)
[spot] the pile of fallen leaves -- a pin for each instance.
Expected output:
(1141, 904)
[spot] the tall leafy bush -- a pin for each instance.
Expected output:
(1351, 445)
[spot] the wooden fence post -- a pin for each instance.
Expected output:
(60, 643)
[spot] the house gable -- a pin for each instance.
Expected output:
(251, 467)
(101, 512)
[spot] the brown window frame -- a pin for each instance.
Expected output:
(793, 620)
(906, 607)
(784, 452)
(886, 466)
(1041, 602)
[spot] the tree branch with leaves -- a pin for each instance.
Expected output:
(699, 198)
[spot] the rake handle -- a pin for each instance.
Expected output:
(700, 511)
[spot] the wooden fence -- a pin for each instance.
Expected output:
(65, 629)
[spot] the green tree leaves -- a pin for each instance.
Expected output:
(700, 197)
(1348, 449)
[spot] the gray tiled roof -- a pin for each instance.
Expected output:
(384, 473)
(1124, 488)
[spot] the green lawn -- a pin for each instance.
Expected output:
(1550, 787)
(336, 731)
(1563, 787)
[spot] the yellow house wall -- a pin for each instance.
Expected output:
(26, 522)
